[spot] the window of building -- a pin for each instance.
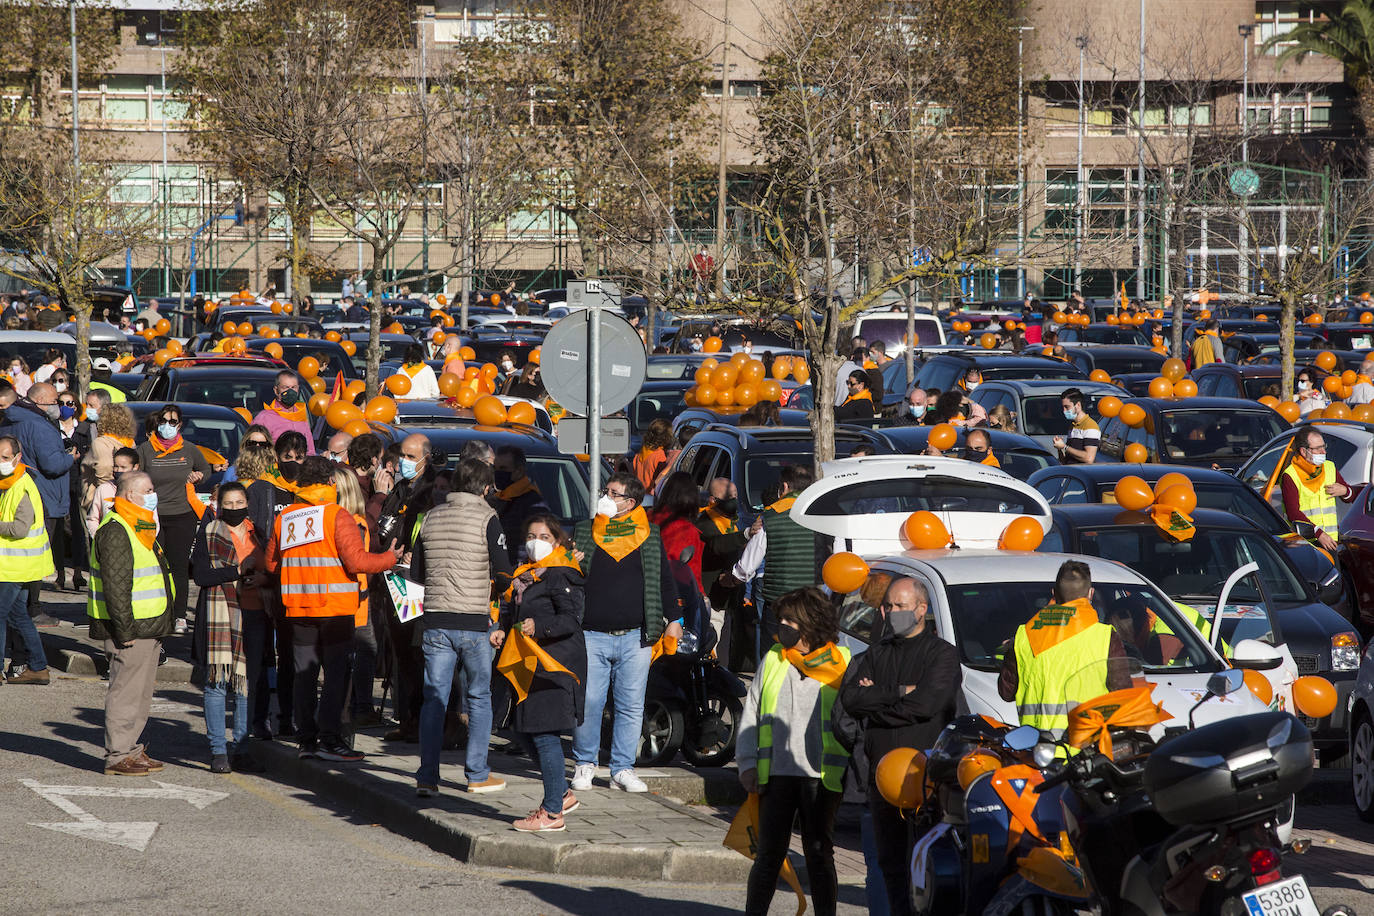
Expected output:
(1292, 112)
(1278, 18)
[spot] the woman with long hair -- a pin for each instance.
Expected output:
(362, 713)
(176, 466)
(115, 429)
(651, 461)
(675, 513)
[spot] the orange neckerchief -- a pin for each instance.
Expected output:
(1054, 623)
(724, 524)
(318, 494)
(295, 414)
(991, 460)
(412, 369)
(521, 657)
(864, 395)
(560, 558)
(621, 536)
(666, 645)
(139, 518)
(518, 488)
(161, 450)
(125, 441)
(825, 664)
(1174, 525)
(1311, 474)
(278, 481)
(782, 506)
(870, 364)
(1129, 708)
(19, 471)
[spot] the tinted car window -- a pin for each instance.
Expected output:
(239, 390)
(1256, 388)
(220, 434)
(561, 483)
(1217, 433)
(1120, 365)
(654, 405)
(332, 360)
(938, 373)
(1074, 492)
(1043, 415)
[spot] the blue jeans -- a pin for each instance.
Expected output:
(214, 717)
(621, 664)
(547, 749)
(14, 612)
(446, 650)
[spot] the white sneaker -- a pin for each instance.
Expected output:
(582, 777)
(179, 628)
(627, 781)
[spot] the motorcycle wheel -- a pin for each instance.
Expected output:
(662, 734)
(711, 735)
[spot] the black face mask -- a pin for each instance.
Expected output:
(233, 517)
(974, 454)
(289, 470)
(289, 398)
(788, 635)
(727, 506)
(503, 479)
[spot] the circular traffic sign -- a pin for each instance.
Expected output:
(1244, 181)
(566, 364)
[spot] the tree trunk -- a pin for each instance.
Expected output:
(82, 313)
(1288, 319)
(825, 365)
(374, 324)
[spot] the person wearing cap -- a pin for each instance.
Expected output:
(101, 368)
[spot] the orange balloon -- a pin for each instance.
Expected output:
(725, 397)
(710, 362)
(471, 373)
(1348, 377)
(781, 367)
(438, 338)
(229, 328)
(942, 436)
(522, 413)
(1185, 388)
(356, 428)
(162, 327)
(1259, 685)
(988, 341)
(801, 371)
(689, 397)
(1362, 412)
(1173, 369)
(1098, 375)
(466, 397)
(318, 404)
(1290, 411)
(468, 354)
(1161, 388)
(394, 328)
(1024, 533)
(1112, 319)
(725, 376)
(381, 408)
(1171, 479)
(334, 336)
(900, 777)
(1313, 319)
(1314, 696)
(1332, 384)
(276, 308)
(746, 395)
(1336, 411)
(273, 350)
(771, 390)
(490, 411)
(712, 344)
(316, 383)
(1326, 360)
(245, 328)
(449, 384)
(308, 367)
(1109, 406)
(534, 356)
(1133, 493)
(751, 373)
(175, 347)
(349, 347)
(271, 333)
(398, 384)
(1132, 415)
(288, 308)
(341, 413)
(354, 388)
(844, 572)
(1367, 318)
(161, 357)
(925, 531)
(1136, 453)
(1179, 498)
(702, 376)
(235, 345)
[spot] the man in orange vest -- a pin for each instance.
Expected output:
(319, 552)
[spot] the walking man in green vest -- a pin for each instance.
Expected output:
(130, 607)
(1311, 485)
(25, 557)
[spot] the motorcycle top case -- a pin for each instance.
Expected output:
(1230, 769)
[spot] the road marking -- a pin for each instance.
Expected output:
(131, 834)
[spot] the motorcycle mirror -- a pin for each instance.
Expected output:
(1021, 738)
(1305, 530)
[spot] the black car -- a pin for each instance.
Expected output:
(1020, 456)
(1116, 360)
(332, 357)
(946, 370)
(1250, 382)
(1193, 572)
(262, 318)
(228, 382)
(1239, 348)
(215, 430)
(1197, 431)
(655, 401)
(696, 419)
(1077, 484)
(1349, 359)
(1347, 335)
(1114, 334)
(1037, 405)
(393, 347)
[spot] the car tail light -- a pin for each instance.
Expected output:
(1264, 865)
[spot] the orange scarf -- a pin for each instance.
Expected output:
(318, 494)
(864, 395)
(7, 482)
(124, 441)
(1312, 476)
(159, 449)
(278, 481)
(1055, 623)
(560, 558)
(412, 369)
(666, 645)
(724, 524)
(991, 460)
(621, 536)
(825, 664)
(521, 657)
(782, 506)
(295, 414)
(139, 519)
(517, 489)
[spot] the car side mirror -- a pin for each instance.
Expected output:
(1306, 530)
(1226, 682)
(1253, 655)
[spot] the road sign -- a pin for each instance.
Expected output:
(572, 436)
(567, 357)
(593, 293)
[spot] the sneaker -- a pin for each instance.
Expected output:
(582, 776)
(490, 784)
(334, 749)
(426, 790)
(540, 821)
(32, 677)
(309, 748)
(220, 764)
(179, 628)
(570, 802)
(243, 762)
(129, 766)
(627, 781)
(46, 621)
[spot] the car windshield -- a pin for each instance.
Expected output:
(391, 349)
(36, 354)
(1242, 501)
(933, 493)
(1217, 433)
(1256, 388)
(1197, 567)
(218, 433)
(1012, 373)
(987, 615)
(660, 368)
(657, 405)
(892, 331)
(251, 391)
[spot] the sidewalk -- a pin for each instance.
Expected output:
(69, 646)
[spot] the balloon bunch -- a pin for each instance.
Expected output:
(1075, 318)
(1162, 387)
(961, 327)
(1127, 319)
(741, 381)
(1172, 491)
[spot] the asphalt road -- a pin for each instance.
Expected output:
(249, 844)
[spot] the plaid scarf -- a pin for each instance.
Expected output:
(224, 659)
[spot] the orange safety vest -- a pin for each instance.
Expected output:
(314, 582)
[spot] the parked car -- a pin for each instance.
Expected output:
(1361, 735)
(333, 359)
(889, 325)
(1197, 431)
(1116, 360)
(1349, 446)
(696, 419)
(1239, 348)
(1271, 356)
(1348, 335)
(1114, 334)
(1037, 404)
(1357, 558)
(262, 317)
(226, 382)
(1250, 381)
(1020, 456)
(946, 370)
(33, 346)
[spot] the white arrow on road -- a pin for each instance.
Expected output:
(132, 834)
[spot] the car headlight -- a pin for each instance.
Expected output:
(1345, 652)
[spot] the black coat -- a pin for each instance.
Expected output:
(555, 603)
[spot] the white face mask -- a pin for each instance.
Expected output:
(606, 506)
(507, 365)
(972, 386)
(1303, 386)
(61, 387)
(537, 550)
(7, 468)
(1319, 458)
(92, 414)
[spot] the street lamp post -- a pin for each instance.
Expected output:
(424, 148)
(1082, 42)
(1140, 170)
(1243, 232)
(1021, 31)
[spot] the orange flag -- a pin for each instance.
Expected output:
(338, 391)
(521, 657)
(743, 838)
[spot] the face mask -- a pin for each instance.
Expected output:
(788, 635)
(289, 397)
(696, 345)
(975, 454)
(973, 386)
(537, 550)
(1303, 386)
(916, 410)
(503, 479)
(903, 623)
(61, 387)
(166, 432)
(606, 506)
(92, 415)
(52, 410)
(289, 470)
(233, 517)
(508, 365)
(16, 370)
(66, 412)
(1070, 415)
(1319, 458)
(150, 501)
(409, 468)
(7, 468)
(727, 506)
(748, 349)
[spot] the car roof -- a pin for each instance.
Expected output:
(1106, 515)
(531, 439)
(1112, 472)
(1247, 370)
(996, 360)
(1082, 346)
(1000, 440)
(187, 408)
(783, 438)
(972, 567)
(1201, 403)
(53, 337)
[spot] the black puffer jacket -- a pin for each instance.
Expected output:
(555, 603)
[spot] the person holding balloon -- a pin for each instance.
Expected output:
(1084, 435)
(1309, 396)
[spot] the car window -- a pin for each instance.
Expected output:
(1113, 438)
(1256, 388)
(1120, 365)
(1043, 415)
(1239, 500)
(932, 492)
(36, 354)
(249, 393)
(938, 373)
(1226, 386)
(1262, 465)
(656, 405)
(1074, 492)
(892, 331)
(1050, 488)
(761, 475)
(561, 483)
(1217, 434)
(331, 360)
(1054, 539)
(703, 463)
(804, 398)
(1207, 384)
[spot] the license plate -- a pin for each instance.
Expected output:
(1286, 898)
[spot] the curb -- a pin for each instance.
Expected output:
(87, 661)
(394, 806)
